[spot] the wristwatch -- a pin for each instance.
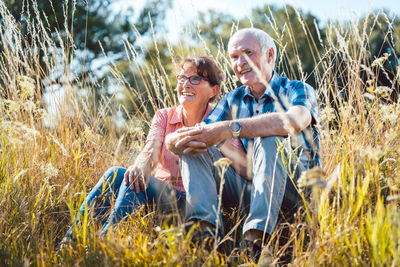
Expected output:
(235, 128)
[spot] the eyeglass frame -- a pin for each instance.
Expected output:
(190, 78)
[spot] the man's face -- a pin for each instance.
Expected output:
(246, 44)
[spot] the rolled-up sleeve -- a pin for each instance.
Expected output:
(302, 94)
(158, 127)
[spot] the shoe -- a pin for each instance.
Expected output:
(253, 250)
(201, 235)
(266, 258)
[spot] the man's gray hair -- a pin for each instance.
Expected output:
(266, 42)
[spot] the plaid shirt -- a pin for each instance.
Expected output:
(279, 96)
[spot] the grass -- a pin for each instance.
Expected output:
(351, 218)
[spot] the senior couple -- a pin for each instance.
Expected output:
(251, 121)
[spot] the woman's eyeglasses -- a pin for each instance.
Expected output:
(194, 80)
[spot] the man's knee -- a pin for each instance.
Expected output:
(268, 144)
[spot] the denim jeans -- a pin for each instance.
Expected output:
(270, 191)
(111, 185)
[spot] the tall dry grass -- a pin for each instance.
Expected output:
(49, 160)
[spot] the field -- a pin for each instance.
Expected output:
(50, 159)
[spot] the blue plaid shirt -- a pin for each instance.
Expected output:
(284, 93)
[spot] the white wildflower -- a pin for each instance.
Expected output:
(327, 114)
(380, 60)
(314, 177)
(383, 91)
(27, 86)
(389, 113)
(48, 170)
(373, 153)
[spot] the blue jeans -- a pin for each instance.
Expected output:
(111, 185)
(270, 191)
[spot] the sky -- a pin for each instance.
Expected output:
(184, 11)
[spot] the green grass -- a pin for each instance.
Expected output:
(351, 218)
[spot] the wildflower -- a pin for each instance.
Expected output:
(88, 134)
(391, 135)
(346, 111)
(314, 177)
(383, 91)
(369, 96)
(373, 153)
(389, 113)
(48, 170)
(27, 86)
(393, 198)
(328, 114)
(380, 60)
(222, 162)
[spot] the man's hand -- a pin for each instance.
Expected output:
(137, 177)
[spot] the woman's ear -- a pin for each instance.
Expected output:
(215, 90)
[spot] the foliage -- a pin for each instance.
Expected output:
(351, 218)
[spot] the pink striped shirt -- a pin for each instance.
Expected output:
(166, 121)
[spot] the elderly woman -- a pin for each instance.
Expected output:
(198, 81)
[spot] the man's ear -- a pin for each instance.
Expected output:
(270, 55)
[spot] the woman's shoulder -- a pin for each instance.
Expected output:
(168, 114)
(167, 111)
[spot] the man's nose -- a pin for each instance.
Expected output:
(242, 60)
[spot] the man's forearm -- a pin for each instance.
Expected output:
(276, 124)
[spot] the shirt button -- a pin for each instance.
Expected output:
(257, 111)
(177, 162)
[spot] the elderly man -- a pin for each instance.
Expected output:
(262, 113)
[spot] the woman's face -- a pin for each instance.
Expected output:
(194, 95)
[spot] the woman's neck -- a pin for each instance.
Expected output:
(191, 116)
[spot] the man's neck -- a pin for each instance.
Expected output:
(258, 91)
(259, 88)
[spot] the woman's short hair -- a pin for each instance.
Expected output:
(206, 68)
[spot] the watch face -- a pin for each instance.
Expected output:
(235, 126)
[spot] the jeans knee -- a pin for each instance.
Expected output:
(115, 174)
(112, 170)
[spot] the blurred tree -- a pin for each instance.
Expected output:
(298, 37)
(87, 32)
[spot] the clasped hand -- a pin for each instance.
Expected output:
(194, 140)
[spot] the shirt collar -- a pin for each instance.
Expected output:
(274, 83)
(176, 116)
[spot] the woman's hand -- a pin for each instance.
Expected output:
(173, 138)
(197, 139)
(138, 176)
